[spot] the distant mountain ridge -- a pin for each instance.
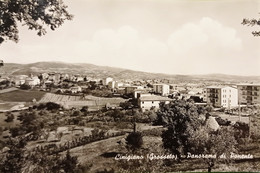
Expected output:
(117, 73)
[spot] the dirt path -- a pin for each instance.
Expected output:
(8, 90)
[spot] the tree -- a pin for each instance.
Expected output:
(14, 160)
(252, 22)
(134, 141)
(187, 133)
(221, 143)
(33, 13)
(69, 163)
(25, 87)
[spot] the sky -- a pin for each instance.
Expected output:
(161, 36)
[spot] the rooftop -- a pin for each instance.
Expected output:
(154, 98)
(249, 84)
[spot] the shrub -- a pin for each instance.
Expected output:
(134, 141)
(9, 118)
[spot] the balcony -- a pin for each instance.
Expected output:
(249, 88)
(249, 98)
(249, 93)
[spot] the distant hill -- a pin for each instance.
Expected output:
(117, 73)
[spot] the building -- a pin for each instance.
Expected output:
(75, 89)
(131, 89)
(222, 96)
(105, 81)
(161, 89)
(20, 80)
(32, 81)
(148, 101)
(248, 94)
(119, 84)
(111, 84)
(138, 92)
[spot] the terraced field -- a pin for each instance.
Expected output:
(94, 103)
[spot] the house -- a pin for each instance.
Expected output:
(45, 76)
(20, 80)
(118, 84)
(222, 96)
(32, 81)
(149, 101)
(105, 81)
(80, 79)
(248, 94)
(161, 89)
(75, 89)
(55, 77)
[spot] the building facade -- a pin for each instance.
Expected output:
(248, 94)
(222, 96)
(148, 102)
(105, 81)
(161, 89)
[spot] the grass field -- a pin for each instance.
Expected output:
(21, 96)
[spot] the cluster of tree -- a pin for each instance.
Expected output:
(186, 132)
(25, 87)
(48, 106)
(18, 160)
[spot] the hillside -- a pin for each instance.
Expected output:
(117, 73)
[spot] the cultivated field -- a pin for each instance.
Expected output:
(94, 103)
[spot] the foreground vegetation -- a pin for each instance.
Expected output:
(77, 140)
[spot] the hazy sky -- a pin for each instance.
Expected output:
(164, 36)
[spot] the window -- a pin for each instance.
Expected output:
(143, 102)
(255, 98)
(152, 102)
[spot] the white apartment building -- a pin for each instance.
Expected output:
(161, 89)
(105, 81)
(248, 94)
(222, 96)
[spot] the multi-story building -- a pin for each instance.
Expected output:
(222, 96)
(161, 89)
(105, 81)
(111, 84)
(248, 94)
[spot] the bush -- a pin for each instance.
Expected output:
(52, 106)
(134, 141)
(9, 118)
(25, 87)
